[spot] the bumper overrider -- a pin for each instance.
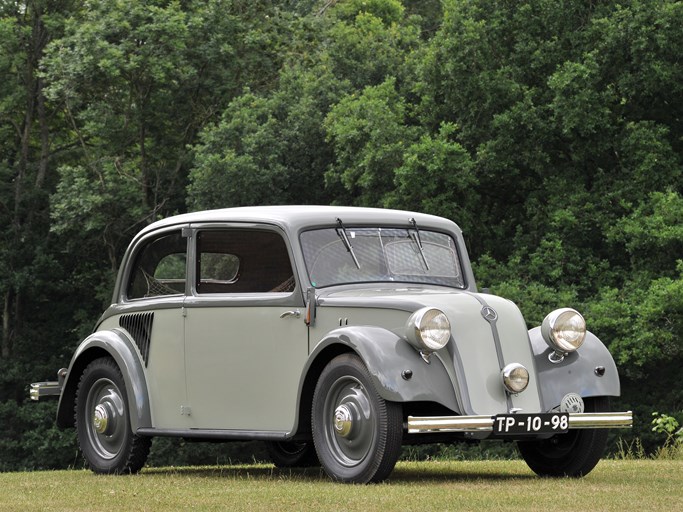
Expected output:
(496, 424)
(48, 388)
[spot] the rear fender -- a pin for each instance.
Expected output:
(117, 345)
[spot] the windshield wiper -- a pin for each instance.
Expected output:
(341, 231)
(416, 236)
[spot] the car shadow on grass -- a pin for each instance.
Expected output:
(436, 474)
(423, 473)
(241, 471)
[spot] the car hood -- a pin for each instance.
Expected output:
(401, 298)
(488, 332)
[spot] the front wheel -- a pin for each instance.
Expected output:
(357, 434)
(573, 454)
(103, 423)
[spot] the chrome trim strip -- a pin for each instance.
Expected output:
(217, 434)
(492, 319)
(436, 424)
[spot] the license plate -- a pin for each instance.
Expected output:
(545, 423)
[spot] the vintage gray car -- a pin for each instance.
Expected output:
(335, 335)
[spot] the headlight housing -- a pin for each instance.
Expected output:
(428, 329)
(515, 378)
(564, 330)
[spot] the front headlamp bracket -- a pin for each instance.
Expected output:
(556, 357)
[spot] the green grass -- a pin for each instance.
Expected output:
(420, 486)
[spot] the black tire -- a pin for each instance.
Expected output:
(292, 454)
(103, 424)
(357, 434)
(573, 454)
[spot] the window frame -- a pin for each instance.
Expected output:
(196, 298)
(422, 228)
(131, 265)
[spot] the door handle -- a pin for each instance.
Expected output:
(295, 313)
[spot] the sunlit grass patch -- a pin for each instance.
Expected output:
(421, 486)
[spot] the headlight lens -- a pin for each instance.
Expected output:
(515, 378)
(564, 330)
(428, 329)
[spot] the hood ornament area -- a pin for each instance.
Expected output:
(489, 314)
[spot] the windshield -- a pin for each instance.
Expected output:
(358, 255)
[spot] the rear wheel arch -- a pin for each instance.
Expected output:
(117, 346)
(67, 400)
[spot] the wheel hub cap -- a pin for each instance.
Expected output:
(343, 421)
(100, 419)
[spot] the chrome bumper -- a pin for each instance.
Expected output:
(436, 424)
(49, 388)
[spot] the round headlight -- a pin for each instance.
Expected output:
(515, 378)
(428, 329)
(564, 330)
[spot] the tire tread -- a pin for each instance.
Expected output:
(389, 440)
(582, 453)
(138, 447)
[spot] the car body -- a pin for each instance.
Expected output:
(334, 334)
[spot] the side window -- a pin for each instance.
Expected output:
(242, 261)
(159, 268)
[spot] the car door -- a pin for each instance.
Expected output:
(245, 340)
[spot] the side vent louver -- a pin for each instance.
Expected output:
(139, 325)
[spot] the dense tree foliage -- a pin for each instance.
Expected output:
(552, 132)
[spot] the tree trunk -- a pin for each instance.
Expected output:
(6, 348)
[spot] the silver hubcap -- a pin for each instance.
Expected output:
(343, 421)
(107, 429)
(351, 429)
(100, 419)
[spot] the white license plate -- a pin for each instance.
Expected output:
(545, 423)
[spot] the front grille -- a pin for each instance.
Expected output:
(139, 325)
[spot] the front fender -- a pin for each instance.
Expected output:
(115, 344)
(577, 373)
(387, 356)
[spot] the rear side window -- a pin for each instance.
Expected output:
(160, 267)
(242, 261)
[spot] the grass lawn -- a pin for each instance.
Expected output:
(420, 486)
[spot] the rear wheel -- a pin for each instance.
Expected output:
(357, 434)
(103, 422)
(573, 454)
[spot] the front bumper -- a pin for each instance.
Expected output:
(48, 388)
(450, 424)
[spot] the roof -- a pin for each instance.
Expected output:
(294, 218)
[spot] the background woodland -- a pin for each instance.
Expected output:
(551, 132)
